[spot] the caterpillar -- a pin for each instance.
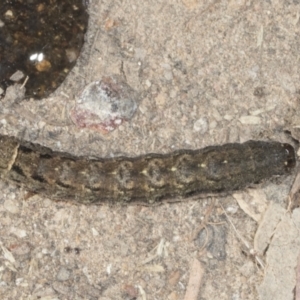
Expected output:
(145, 179)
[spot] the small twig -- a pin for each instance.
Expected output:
(297, 289)
(206, 240)
(293, 199)
(195, 280)
(24, 83)
(204, 222)
(142, 292)
(246, 244)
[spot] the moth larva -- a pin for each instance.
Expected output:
(146, 178)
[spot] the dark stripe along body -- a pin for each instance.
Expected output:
(144, 179)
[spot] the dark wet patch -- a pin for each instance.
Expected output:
(41, 39)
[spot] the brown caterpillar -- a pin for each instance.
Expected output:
(145, 179)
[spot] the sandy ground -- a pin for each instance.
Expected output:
(207, 73)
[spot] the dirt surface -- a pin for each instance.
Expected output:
(207, 73)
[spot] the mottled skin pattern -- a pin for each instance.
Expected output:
(145, 179)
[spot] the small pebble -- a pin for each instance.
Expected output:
(105, 104)
(11, 206)
(250, 120)
(63, 274)
(201, 125)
